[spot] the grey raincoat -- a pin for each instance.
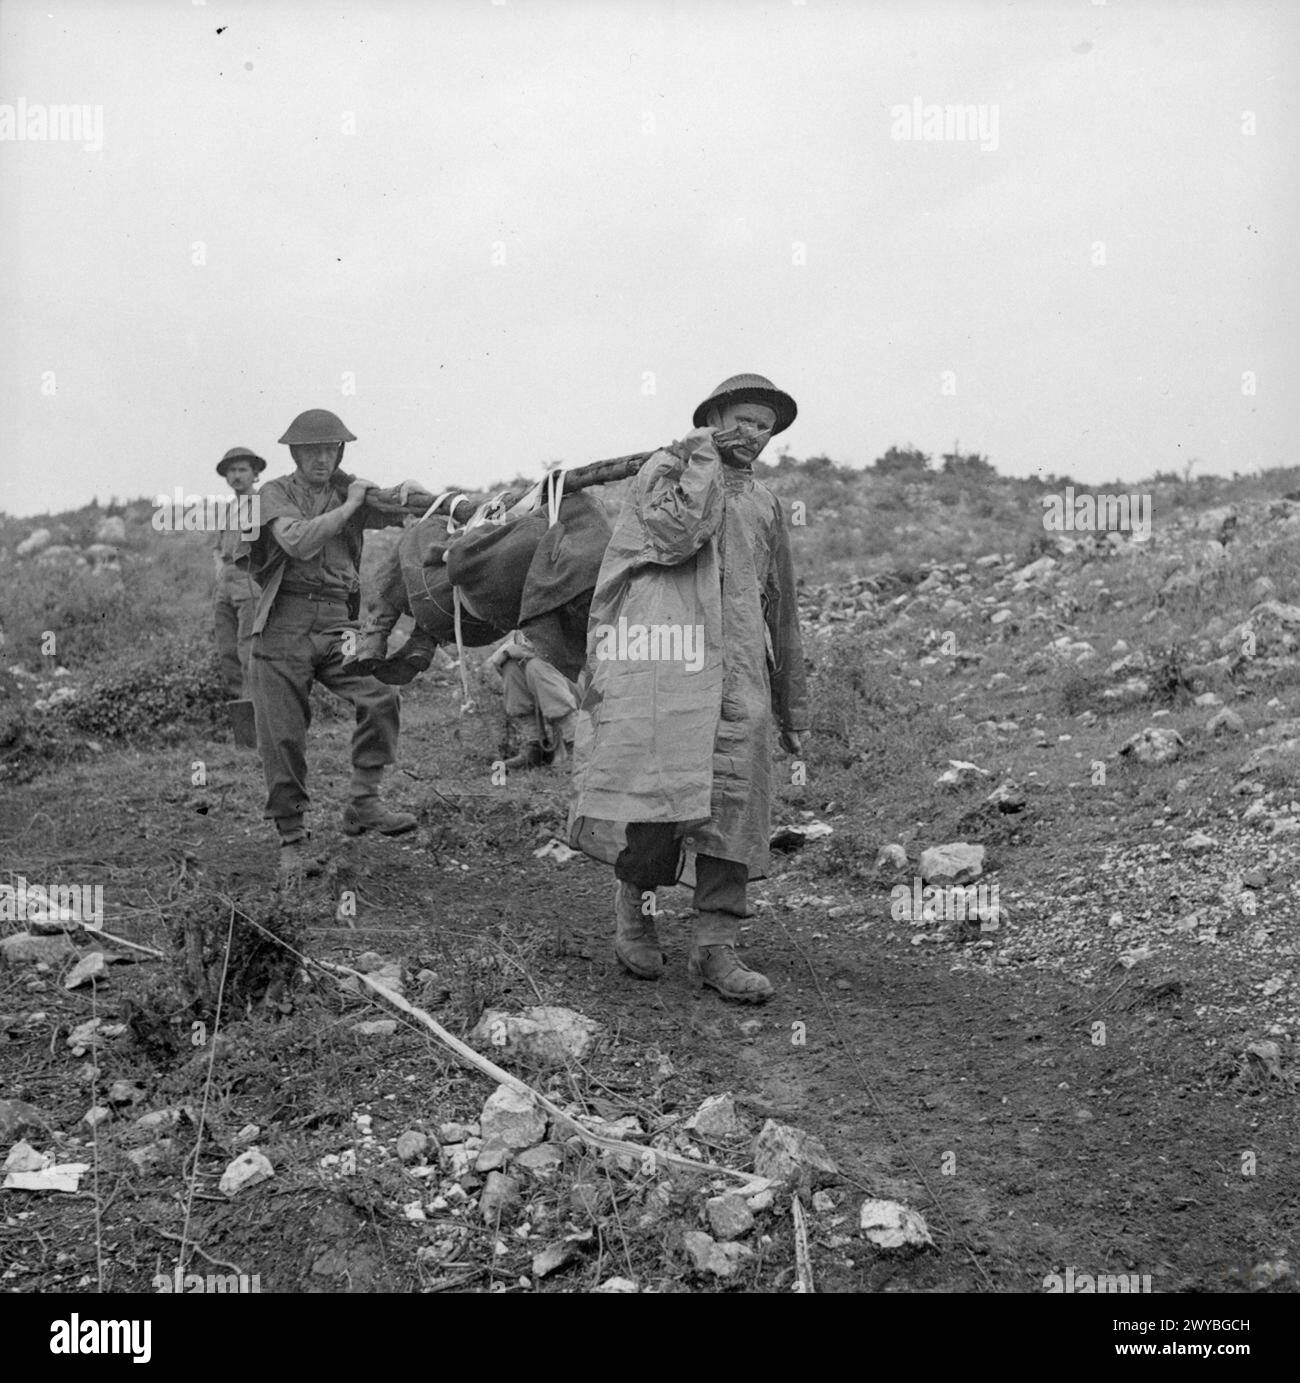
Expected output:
(699, 546)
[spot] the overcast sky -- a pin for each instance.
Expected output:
(544, 229)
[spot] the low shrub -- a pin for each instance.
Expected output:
(167, 683)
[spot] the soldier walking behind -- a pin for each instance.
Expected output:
(235, 601)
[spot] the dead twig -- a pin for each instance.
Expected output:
(458, 1281)
(121, 941)
(802, 1258)
(196, 1248)
(752, 1183)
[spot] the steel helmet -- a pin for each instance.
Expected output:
(241, 454)
(750, 389)
(316, 425)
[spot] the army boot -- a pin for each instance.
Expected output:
(561, 733)
(366, 812)
(714, 962)
(532, 753)
(636, 943)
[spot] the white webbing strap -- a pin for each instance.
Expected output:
(554, 494)
(433, 508)
(466, 704)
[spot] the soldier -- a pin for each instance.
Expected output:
(307, 560)
(236, 593)
(540, 700)
(693, 650)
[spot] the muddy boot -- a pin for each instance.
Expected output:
(372, 650)
(635, 942)
(530, 755)
(370, 814)
(562, 755)
(367, 813)
(413, 658)
(561, 735)
(721, 968)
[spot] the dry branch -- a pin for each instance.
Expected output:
(802, 1258)
(751, 1182)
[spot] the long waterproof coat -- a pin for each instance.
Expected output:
(700, 546)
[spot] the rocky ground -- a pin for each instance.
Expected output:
(1066, 1040)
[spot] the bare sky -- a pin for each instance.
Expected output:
(544, 229)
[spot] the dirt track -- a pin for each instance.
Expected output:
(977, 1095)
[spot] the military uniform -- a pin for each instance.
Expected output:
(539, 699)
(234, 605)
(672, 772)
(235, 598)
(303, 628)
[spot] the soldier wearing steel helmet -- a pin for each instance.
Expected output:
(235, 600)
(308, 559)
(672, 764)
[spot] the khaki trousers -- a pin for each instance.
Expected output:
(233, 626)
(651, 857)
(532, 684)
(302, 643)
